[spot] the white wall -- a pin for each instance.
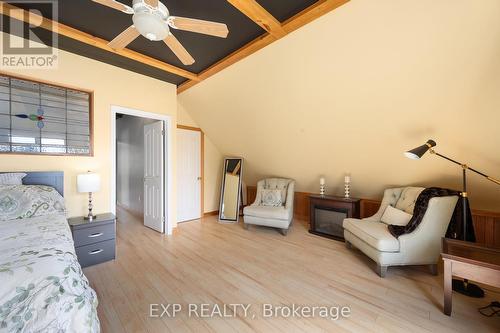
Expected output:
(130, 162)
(351, 91)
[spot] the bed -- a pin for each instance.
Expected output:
(42, 288)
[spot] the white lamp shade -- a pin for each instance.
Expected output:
(411, 156)
(88, 182)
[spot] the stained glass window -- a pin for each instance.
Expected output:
(38, 118)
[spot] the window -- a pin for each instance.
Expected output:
(39, 118)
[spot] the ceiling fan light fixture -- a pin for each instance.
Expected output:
(150, 25)
(151, 36)
(151, 22)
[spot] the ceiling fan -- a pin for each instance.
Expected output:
(152, 20)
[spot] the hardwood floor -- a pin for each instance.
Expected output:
(208, 262)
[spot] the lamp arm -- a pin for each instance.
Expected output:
(432, 151)
(465, 166)
(494, 180)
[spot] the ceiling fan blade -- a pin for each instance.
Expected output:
(179, 50)
(125, 38)
(116, 5)
(199, 26)
(152, 3)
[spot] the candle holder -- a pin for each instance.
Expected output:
(322, 183)
(347, 190)
(347, 186)
(322, 189)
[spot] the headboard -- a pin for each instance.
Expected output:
(49, 178)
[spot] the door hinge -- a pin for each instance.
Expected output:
(162, 132)
(163, 219)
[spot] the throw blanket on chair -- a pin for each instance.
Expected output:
(456, 224)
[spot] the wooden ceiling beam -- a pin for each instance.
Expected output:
(304, 17)
(64, 30)
(259, 15)
(311, 13)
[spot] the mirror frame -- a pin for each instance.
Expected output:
(222, 190)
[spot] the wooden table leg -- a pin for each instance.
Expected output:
(447, 287)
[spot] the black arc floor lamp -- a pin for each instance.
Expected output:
(463, 287)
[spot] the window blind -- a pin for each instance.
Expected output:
(39, 118)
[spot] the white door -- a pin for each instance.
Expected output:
(153, 176)
(188, 175)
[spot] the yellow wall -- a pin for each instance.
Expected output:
(352, 90)
(111, 86)
(213, 165)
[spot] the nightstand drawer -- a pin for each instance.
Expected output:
(96, 253)
(94, 234)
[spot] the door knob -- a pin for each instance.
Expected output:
(199, 178)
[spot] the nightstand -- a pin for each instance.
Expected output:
(94, 241)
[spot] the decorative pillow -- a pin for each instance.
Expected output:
(24, 201)
(278, 184)
(271, 198)
(12, 178)
(395, 216)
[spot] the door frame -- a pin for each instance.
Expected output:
(202, 167)
(168, 213)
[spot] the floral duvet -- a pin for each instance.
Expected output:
(42, 286)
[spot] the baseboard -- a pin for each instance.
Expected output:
(212, 213)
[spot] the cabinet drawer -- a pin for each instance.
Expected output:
(93, 235)
(96, 253)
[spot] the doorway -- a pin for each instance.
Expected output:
(141, 166)
(190, 151)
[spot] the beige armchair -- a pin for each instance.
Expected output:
(277, 217)
(420, 247)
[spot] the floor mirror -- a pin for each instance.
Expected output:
(230, 194)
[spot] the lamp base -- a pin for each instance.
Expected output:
(466, 288)
(90, 217)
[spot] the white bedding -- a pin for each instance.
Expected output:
(42, 286)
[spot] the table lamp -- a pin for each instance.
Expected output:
(88, 183)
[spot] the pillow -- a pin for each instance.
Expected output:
(278, 184)
(395, 216)
(12, 178)
(24, 201)
(271, 198)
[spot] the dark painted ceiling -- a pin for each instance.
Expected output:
(284, 9)
(106, 23)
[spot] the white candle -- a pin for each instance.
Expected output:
(322, 181)
(347, 179)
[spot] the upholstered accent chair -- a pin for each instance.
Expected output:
(272, 216)
(420, 247)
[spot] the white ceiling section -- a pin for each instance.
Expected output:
(351, 91)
